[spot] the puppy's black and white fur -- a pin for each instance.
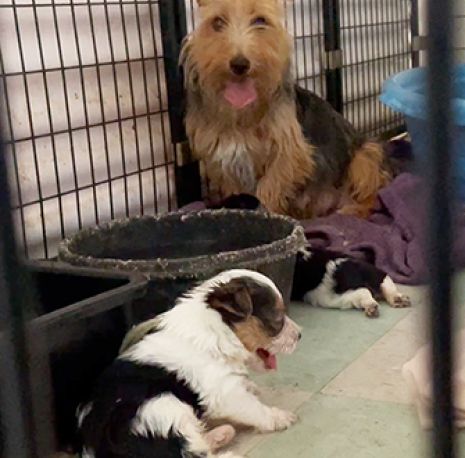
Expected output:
(330, 279)
(187, 365)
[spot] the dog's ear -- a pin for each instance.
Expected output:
(232, 300)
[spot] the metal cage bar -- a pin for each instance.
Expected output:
(332, 28)
(441, 217)
(415, 32)
(187, 172)
(25, 410)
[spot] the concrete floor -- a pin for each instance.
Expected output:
(345, 383)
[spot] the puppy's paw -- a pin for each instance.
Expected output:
(281, 419)
(220, 436)
(372, 310)
(399, 301)
(252, 387)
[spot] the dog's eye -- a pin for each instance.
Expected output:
(259, 21)
(218, 24)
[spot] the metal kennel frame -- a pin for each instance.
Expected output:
(441, 211)
(25, 412)
(25, 432)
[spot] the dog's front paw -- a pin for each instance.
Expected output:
(399, 301)
(280, 420)
(372, 310)
(272, 199)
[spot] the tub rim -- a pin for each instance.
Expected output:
(195, 266)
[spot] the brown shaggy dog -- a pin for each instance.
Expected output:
(256, 132)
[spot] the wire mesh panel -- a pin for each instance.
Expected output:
(376, 43)
(83, 105)
(304, 21)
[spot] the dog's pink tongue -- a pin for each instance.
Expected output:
(269, 360)
(239, 95)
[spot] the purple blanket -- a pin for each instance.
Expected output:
(392, 238)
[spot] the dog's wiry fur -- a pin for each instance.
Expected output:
(365, 176)
(188, 365)
(287, 147)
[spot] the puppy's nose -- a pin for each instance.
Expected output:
(240, 65)
(299, 336)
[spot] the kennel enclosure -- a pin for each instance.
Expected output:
(91, 99)
(91, 116)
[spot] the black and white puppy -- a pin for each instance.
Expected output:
(191, 364)
(330, 279)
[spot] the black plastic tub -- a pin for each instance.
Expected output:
(178, 249)
(82, 318)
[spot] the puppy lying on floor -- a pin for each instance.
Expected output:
(191, 364)
(330, 279)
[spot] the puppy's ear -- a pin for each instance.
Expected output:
(232, 300)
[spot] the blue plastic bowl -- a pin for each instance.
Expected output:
(406, 94)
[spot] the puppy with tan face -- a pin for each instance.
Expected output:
(190, 365)
(256, 314)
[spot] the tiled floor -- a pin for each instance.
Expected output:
(345, 383)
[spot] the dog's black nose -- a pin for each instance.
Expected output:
(240, 65)
(300, 336)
